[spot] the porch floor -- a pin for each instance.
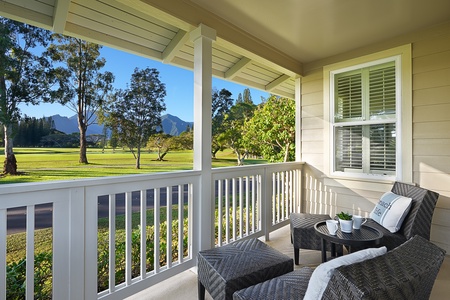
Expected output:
(184, 285)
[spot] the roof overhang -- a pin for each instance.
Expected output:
(263, 44)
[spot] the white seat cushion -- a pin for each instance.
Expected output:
(322, 274)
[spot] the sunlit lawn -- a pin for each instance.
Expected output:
(44, 164)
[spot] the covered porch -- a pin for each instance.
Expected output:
(288, 49)
(184, 285)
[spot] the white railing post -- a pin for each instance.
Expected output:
(91, 241)
(77, 242)
(61, 250)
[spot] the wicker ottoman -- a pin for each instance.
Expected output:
(303, 234)
(292, 285)
(233, 267)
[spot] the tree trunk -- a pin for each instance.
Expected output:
(138, 158)
(159, 154)
(214, 152)
(83, 143)
(286, 152)
(240, 160)
(10, 163)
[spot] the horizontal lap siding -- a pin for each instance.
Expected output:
(431, 138)
(312, 116)
(431, 127)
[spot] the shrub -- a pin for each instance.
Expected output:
(16, 274)
(120, 247)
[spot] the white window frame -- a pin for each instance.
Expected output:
(402, 58)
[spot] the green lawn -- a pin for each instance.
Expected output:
(44, 164)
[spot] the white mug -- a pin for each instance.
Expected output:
(358, 221)
(332, 226)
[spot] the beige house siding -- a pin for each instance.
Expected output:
(430, 131)
(431, 126)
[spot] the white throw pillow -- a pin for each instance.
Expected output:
(322, 274)
(391, 210)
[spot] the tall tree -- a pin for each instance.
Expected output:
(274, 124)
(221, 104)
(186, 139)
(25, 77)
(135, 113)
(85, 87)
(163, 143)
(234, 124)
(246, 98)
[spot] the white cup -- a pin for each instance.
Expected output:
(332, 226)
(358, 221)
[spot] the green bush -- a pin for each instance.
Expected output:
(120, 247)
(16, 275)
(16, 271)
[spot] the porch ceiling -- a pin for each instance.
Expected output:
(260, 43)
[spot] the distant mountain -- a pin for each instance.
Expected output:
(171, 125)
(70, 125)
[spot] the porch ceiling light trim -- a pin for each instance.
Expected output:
(60, 14)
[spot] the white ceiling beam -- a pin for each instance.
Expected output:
(194, 14)
(272, 85)
(238, 67)
(60, 15)
(25, 15)
(174, 46)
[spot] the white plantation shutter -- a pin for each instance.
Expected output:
(349, 97)
(382, 147)
(348, 148)
(382, 91)
(365, 120)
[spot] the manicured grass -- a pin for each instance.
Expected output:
(44, 164)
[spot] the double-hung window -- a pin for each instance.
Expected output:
(368, 117)
(364, 119)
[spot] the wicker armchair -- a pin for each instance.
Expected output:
(407, 272)
(417, 222)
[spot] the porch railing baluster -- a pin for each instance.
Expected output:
(3, 233)
(143, 223)
(29, 294)
(157, 213)
(112, 243)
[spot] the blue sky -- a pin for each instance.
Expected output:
(179, 86)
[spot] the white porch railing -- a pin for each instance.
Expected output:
(156, 239)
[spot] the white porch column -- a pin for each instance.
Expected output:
(203, 37)
(298, 120)
(299, 201)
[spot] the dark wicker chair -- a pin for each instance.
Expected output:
(407, 272)
(417, 222)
